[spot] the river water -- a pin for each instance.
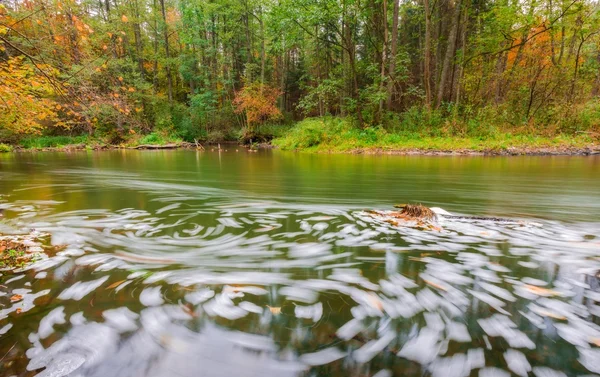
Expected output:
(185, 263)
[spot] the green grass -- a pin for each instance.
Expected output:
(414, 130)
(41, 142)
(340, 135)
(155, 138)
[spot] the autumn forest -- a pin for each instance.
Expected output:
(210, 70)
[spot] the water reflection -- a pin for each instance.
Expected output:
(174, 278)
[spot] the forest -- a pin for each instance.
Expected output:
(139, 71)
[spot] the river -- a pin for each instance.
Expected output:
(185, 263)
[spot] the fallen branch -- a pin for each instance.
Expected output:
(152, 146)
(198, 145)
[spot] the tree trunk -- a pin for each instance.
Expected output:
(427, 64)
(394, 51)
(262, 49)
(457, 80)
(448, 63)
(596, 88)
(167, 54)
(107, 8)
(383, 58)
(500, 68)
(137, 34)
(155, 45)
(248, 41)
(73, 38)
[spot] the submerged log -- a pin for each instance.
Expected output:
(154, 146)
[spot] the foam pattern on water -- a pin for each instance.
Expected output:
(229, 284)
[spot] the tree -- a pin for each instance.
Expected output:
(259, 104)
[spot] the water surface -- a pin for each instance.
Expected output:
(243, 264)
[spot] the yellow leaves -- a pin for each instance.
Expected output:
(189, 310)
(547, 313)
(541, 291)
(138, 109)
(115, 284)
(27, 94)
(124, 18)
(131, 89)
(110, 35)
(375, 301)
(435, 285)
(120, 78)
(172, 15)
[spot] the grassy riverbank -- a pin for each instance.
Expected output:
(334, 135)
(340, 135)
(40, 143)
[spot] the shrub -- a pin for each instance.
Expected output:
(5, 148)
(258, 102)
(215, 136)
(157, 138)
(41, 142)
(312, 132)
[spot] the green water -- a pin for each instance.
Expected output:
(239, 264)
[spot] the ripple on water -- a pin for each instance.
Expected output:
(242, 286)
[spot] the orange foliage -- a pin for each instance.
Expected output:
(258, 101)
(537, 49)
(26, 95)
(173, 16)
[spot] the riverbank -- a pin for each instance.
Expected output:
(331, 135)
(507, 145)
(335, 135)
(426, 146)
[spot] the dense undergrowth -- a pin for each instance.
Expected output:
(432, 131)
(442, 129)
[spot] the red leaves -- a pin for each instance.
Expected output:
(259, 102)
